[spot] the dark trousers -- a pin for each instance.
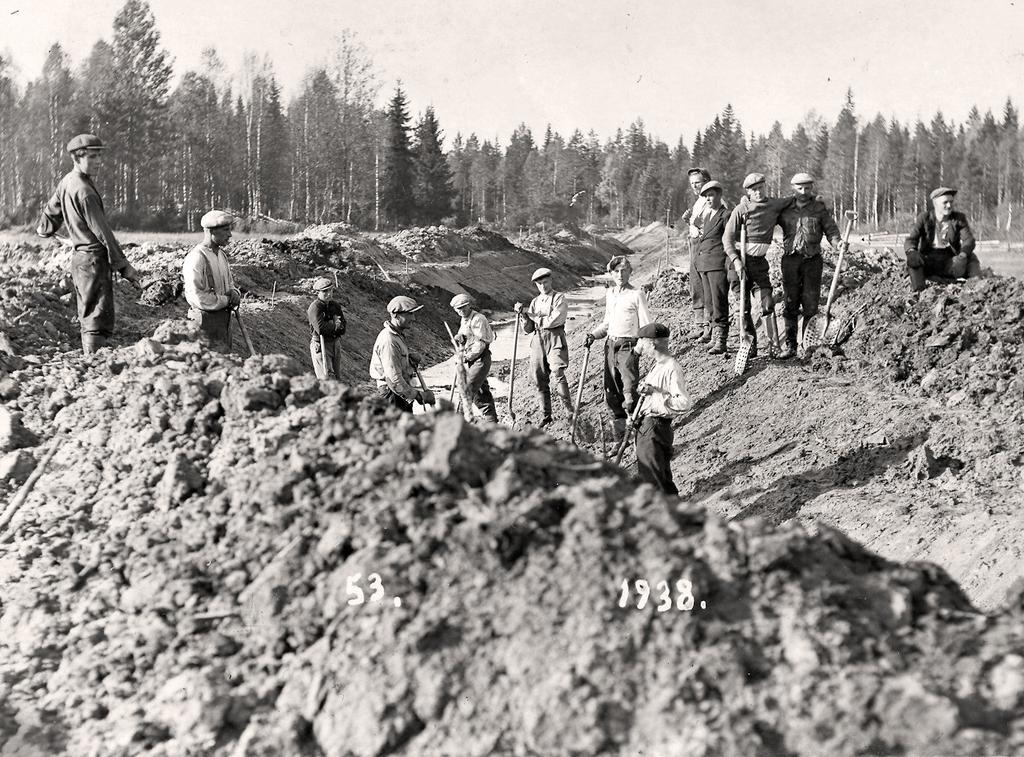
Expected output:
(757, 278)
(621, 376)
(715, 286)
(697, 290)
(395, 400)
(216, 325)
(654, 453)
(940, 263)
(477, 388)
(94, 290)
(801, 285)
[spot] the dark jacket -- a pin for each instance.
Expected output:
(709, 251)
(804, 225)
(760, 218)
(958, 234)
(77, 204)
(321, 319)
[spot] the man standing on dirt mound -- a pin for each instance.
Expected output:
(97, 254)
(549, 349)
(803, 225)
(209, 287)
(474, 339)
(759, 213)
(392, 365)
(941, 243)
(711, 264)
(326, 324)
(693, 218)
(666, 397)
(625, 313)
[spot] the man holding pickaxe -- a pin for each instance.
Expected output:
(804, 223)
(326, 324)
(209, 287)
(549, 349)
(474, 339)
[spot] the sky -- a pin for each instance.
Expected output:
(486, 65)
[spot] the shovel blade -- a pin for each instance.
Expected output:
(742, 357)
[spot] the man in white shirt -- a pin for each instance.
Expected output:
(209, 288)
(625, 312)
(549, 349)
(474, 339)
(665, 397)
(392, 365)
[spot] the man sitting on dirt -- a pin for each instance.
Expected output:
(326, 324)
(803, 225)
(625, 312)
(97, 253)
(710, 262)
(665, 397)
(474, 339)
(392, 366)
(209, 287)
(759, 213)
(549, 349)
(693, 218)
(941, 243)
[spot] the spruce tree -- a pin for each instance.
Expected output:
(432, 185)
(396, 193)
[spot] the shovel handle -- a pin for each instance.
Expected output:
(850, 218)
(512, 370)
(579, 396)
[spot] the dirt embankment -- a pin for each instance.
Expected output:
(910, 442)
(232, 559)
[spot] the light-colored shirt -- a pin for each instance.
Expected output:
(667, 377)
(476, 328)
(548, 311)
(700, 209)
(625, 311)
(207, 276)
(389, 362)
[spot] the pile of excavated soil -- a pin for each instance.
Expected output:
(438, 243)
(234, 559)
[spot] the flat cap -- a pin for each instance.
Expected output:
(708, 186)
(752, 180)
(618, 262)
(702, 171)
(461, 300)
(653, 331)
(941, 191)
(322, 283)
(540, 273)
(86, 141)
(802, 178)
(403, 304)
(215, 219)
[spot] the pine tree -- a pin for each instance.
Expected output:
(397, 181)
(432, 183)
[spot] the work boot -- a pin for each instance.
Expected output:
(789, 348)
(705, 337)
(545, 408)
(753, 346)
(698, 330)
(92, 342)
(566, 396)
(718, 343)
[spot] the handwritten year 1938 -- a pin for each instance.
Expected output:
(684, 599)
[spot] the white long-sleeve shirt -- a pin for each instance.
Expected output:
(207, 276)
(668, 378)
(625, 311)
(548, 311)
(389, 362)
(478, 332)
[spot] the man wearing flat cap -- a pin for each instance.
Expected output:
(209, 287)
(625, 312)
(803, 223)
(474, 338)
(693, 217)
(712, 264)
(665, 397)
(940, 243)
(97, 254)
(326, 324)
(392, 365)
(759, 214)
(549, 349)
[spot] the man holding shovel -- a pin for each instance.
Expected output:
(549, 349)
(326, 324)
(209, 287)
(625, 313)
(803, 223)
(474, 339)
(392, 365)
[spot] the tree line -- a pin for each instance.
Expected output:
(330, 154)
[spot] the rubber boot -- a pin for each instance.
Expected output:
(545, 407)
(789, 349)
(718, 343)
(771, 333)
(566, 396)
(92, 342)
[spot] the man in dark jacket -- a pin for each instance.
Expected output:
(691, 219)
(97, 254)
(803, 225)
(327, 320)
(759, 214)
(941, 243)
(710, 262)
